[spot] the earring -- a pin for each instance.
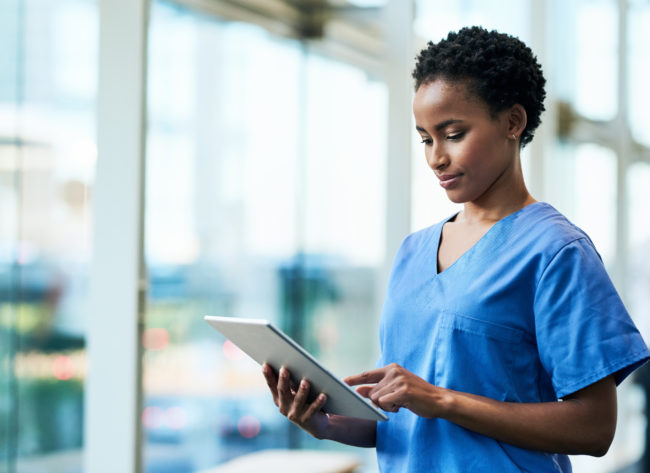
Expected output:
(514, 137)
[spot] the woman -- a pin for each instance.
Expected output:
(502, 337)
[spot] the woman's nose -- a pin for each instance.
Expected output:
(436, 157)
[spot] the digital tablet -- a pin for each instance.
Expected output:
(266, 344)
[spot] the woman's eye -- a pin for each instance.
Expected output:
(456, 136)
(426, 141)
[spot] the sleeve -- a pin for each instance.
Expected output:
(583, 330)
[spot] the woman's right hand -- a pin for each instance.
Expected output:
(294, 404)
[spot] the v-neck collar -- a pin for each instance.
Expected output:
(471, 249)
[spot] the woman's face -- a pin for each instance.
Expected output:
(470, 151)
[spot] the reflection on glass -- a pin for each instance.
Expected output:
(47, 160)
(265, 201)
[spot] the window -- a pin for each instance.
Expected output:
(47, 158)
(596, 56)
(264, 200)
(639, 71)
(593, 202)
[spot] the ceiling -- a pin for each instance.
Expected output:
(344, 24)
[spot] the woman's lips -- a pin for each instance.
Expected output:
(448, 180)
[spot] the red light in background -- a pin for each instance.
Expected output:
(232, 351)
(63, 367)
(152, 417)
(176, 418)
(249, 427)
(155, 338)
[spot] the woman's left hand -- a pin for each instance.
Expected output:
(393, 387)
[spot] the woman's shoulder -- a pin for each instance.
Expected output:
(547, 230)
(546, 222)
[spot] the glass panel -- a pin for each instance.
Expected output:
(344, 156)
(263, 201)
(47, 160)
(595, 70)
(10, 24)
(638, 189)
(434, 19)
(639, 71)
(584, 189)
(595, 197)
(343, 198)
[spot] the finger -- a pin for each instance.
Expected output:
(298, 405)
(285, 398)
(372, 376)
(374, 391)
(364, 391)
(388, 398)
(314, 407)
(378, 392)
(271, 381)
(300, 399)
(389, 402)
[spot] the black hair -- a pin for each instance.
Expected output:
(498, 68)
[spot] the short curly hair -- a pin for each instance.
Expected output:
(498, 68)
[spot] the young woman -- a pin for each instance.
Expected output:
(502, 337)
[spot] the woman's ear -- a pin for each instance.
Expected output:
(517, 120)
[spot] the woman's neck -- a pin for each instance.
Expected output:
(507, 195)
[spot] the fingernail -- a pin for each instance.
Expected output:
(321, 397)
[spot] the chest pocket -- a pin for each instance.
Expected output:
(481, 357)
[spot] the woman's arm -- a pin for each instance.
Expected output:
(582, 423)
(311, 418)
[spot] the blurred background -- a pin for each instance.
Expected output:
(257, 158)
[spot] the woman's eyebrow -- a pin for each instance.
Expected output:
(440, 125)
(446, 123)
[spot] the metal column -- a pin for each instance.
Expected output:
(117, 286)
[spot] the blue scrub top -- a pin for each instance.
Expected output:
(528, 314)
